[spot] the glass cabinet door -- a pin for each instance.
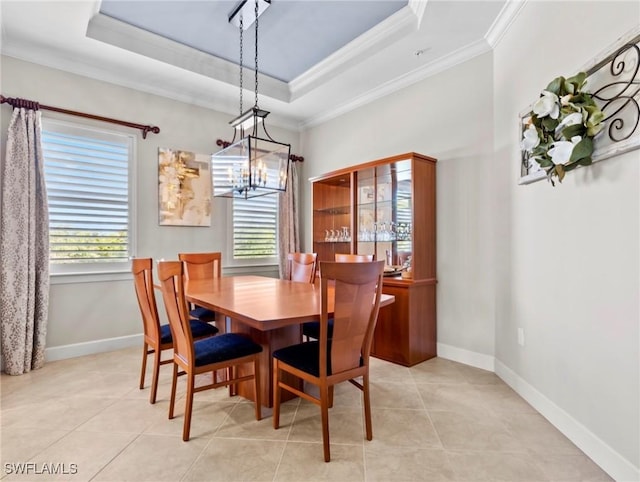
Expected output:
(384, 212)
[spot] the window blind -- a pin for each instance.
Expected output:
(255, 228)
(87, 182)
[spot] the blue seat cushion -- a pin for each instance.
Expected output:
(222, 348)
(312, 329)
(202, 314)
(198, 330)
(304, 356)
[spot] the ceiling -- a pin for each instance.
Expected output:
(317, 58)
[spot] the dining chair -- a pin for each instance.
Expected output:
(329, 361)
(353, 258)
(311, 329)
(225, 351)
(202, 266)
(157, 338)
(302, 267)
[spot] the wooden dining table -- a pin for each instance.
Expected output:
(269, 310)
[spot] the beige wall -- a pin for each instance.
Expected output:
(90, 312)
(449, 117)
(567, 258)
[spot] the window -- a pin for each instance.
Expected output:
(254, 223)
(88, 173)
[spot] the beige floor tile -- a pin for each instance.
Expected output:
(571, 468)
(395, 395)
(346, 424)
(56, 414)
(382, 371)
(438, 370)
(237, 459)
(477, 376)
(495, 466)
(537, 435)
(454, 397)
(426, 426)
(21, 444)
(90, 452)
(462, 431)
(206, 419)
(242, 423)
(404, 428)
(303, 461)
(500, 398)
(153, 458)
(130, 416)
(385, 464)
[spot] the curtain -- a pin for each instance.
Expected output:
(288, 228)
(24, 246)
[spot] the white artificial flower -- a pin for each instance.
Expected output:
(530, 139)
(566, 99)
(547, 105)
(560, 151)
(533, 165)
(526, 121)
(570, 120)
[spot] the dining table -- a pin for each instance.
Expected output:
(269, 310)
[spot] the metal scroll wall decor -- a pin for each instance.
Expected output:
(614, 83)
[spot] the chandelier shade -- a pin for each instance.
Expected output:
(251, 167)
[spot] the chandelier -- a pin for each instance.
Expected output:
(255, 165)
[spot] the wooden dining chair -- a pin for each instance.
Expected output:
(311, 329)
(353, 258)
(328, 361)
(226, 351)
(302, 267)
(202, 266)
(157, 338)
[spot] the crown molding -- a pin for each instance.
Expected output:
(503, 21)
(439, 65)
(400, 24)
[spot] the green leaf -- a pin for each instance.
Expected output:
(550, 124)
(593, 130)
(595, 116)
(586, 161)
(544, 162)
(569, 88)
(582, 149)
(578, 79)
(574, 130)
(555, 85)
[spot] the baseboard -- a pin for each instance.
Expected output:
(607, 458)
(91, 347)
(472, 358)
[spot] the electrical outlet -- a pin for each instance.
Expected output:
(520, 337)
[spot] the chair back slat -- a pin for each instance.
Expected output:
(302, 267)
(201, 265)
(170, 274)
(142, 269)
(357, 292)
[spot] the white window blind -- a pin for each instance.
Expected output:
(254, 221)
(87, 176)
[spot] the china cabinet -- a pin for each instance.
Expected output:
(387, 208)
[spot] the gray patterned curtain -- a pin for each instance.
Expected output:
(24, 246)
(288, 229)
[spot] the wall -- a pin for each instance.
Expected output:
(567, 258)
(96, 314)
(448, 117)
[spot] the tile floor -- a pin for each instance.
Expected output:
(439, 420)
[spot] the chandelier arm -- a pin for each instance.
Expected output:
(256, 59)
(241, 48)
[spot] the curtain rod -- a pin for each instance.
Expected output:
(292, 157)
(28, 104)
